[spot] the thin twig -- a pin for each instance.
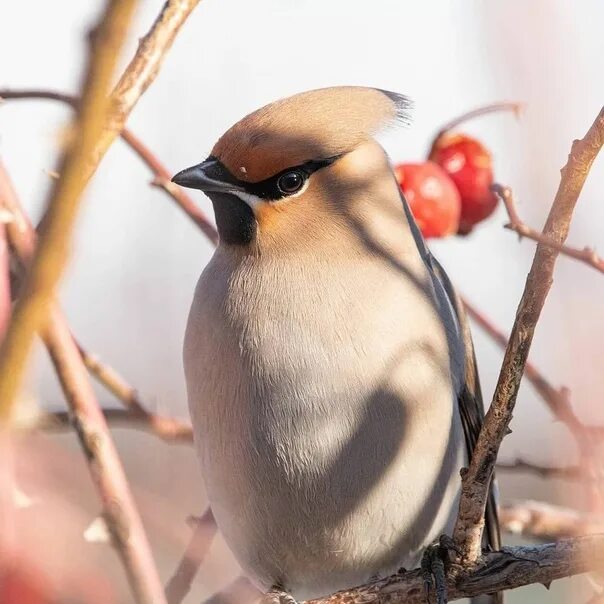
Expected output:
(77, 165)
(586, 255)
(136, 414)
(515, 108)
(161, 175)
(557, 399)
(145, 65)
(496, 571)
(76, 170)
(120, 511)
(169, 429)
(204, 532)
(238, 591)
(571, 473)
(476, 480)
(545, 521)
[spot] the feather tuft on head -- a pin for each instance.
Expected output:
(313, 125)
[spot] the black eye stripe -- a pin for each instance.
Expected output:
(269, 188)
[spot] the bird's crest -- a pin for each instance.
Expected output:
(312, 125)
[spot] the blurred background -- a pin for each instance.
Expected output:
(136, 257)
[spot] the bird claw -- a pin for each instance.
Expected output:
(276, 595)
(433, 567)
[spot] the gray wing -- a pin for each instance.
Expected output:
(471, 406)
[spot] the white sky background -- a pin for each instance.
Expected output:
(136, 257)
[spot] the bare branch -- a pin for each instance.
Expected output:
(476, 480)
(145, 65)
(31, 310)
(586, 255)
(564, 473)
(180, 584)
(496, 571)
(160, 172)
(119, 509)
(239, 591)
(557, 399)
(546, 521)
(169, 429)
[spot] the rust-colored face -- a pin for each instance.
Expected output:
(273, 171)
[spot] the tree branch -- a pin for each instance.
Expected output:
(496, 571)
(586, 255)
(169, 429)
(160, 173)
(98, 121)
(476, 479)
(204, 531)
(557, 399)
(545, 521)
(564, 473)
(31, 310)
(105, 467)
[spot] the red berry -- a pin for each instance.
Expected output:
(432, 197)
(469, 164)
(23, 585)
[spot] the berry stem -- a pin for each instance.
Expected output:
(469, 115)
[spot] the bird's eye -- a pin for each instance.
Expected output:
(290, 182)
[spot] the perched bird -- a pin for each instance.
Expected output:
(330, 373)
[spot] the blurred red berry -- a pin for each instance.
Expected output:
(432, 197)
(21, 585)
(469, 164)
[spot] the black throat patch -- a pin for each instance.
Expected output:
(234, 218)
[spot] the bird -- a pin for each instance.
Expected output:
(330, 371)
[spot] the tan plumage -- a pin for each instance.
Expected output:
(286, 133)
(323, 355)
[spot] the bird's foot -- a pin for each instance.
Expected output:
(433, 565)
(276, 595)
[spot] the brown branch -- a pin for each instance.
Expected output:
(476, 479)
(545, 521)
(586, 255)
(105, 467)
(136, 412)
(161, 175)
(496, 571)
(562, 473)
(76, 170)
(145, 65)
(557, 399)
(239, 591)
(77, 165)
(169, 429)
(162, 180)
(204, 532)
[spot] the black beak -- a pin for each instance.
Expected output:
(209, 176)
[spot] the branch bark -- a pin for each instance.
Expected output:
(557, 399)
(99, 119)
(586, 255)
(168, 429)
(31, 311)
(161, 175)
(105, 467)
(476, 479)
(179, 585)
(496, 571)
